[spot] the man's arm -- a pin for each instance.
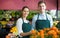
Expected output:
(34, 21)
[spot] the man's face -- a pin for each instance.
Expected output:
(41, 7)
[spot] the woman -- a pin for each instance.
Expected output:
(23, 26)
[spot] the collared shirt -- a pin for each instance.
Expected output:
(19, 25)
(42, 17)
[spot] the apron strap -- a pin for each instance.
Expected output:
(22, 20)
(46, 16)
(47, 19)
(38, 17)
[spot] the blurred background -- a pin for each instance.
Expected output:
(10, 11)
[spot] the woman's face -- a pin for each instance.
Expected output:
(25, 12)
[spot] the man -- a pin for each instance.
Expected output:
(42, 19)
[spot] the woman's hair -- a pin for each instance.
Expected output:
(23, 10)
(40, 2)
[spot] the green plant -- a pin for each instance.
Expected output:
(31, 14)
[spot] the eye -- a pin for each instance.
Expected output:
(42, 5)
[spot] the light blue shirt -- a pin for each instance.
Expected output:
(42, 17)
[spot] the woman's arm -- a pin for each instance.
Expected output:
(25, 34)
(19, 27)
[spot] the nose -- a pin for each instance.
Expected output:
(42, 6)
(25, 12)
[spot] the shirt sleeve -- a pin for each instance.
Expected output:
(51, 21)
(19, 26)
(33, 22)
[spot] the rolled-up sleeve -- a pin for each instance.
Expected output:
(33, 22)
(51, 21)
(19, 26)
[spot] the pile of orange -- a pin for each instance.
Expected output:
(46, 31)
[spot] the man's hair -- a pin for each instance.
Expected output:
(40, 2)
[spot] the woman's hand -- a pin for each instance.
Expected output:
(9, 35)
